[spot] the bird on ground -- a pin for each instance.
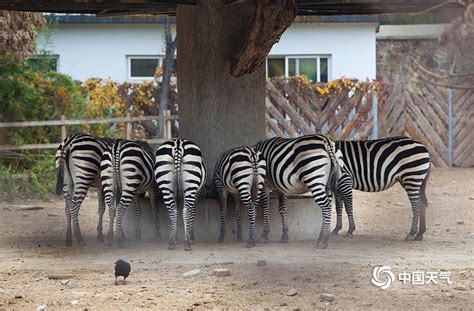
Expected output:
(122, 268)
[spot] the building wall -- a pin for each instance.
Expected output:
(100, 50)
(351, 46)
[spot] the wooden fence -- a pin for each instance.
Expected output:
(441, 118)
(128, 120)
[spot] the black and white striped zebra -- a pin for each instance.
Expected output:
(241, 172)
(180, 170)
(298, 165)
(78, 164)
(376, 165)
(126, 173)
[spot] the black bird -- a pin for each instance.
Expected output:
(122, 268)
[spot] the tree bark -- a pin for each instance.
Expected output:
(216, 110)
(167, 70)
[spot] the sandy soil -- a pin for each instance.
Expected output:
(32, 252)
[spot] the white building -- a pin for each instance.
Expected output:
(129, 48)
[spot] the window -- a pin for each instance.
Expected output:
(315, 68)
(46, 62)
(143, 67)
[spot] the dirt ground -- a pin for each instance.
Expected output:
(34, 264)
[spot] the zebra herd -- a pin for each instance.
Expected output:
(124, 170)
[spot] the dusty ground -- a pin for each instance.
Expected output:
(32, 251)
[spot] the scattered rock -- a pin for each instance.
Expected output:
(225, 263)
(23, 208)
(18, 297)
(221, 272)
(450, 295)
(400, 204)
(24, 215)
(460, 288)
(59, 276)
(261, 263)
(52, 215)
(291, 292)
(460, 222)
(73, 284)
(284, 304)
(64, 282)
(74, 302)
(42, 308)
(437, 224)
(255, 283)
(327, 297)
(471, 198)
(192, 273)
(472, 235)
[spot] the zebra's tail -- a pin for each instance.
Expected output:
(61, 155)
(334, 172)
(178, 174)
(254, 189)
(423, 188)
(115, 154)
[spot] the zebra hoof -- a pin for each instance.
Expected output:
(250, 243)
(68, 243)
(409, 238)
(220, 239)
(187, 246)
(335, 232)
(263, 240)
(138, 238)
(239, 239)
(419, 237)
(349, 235)
(100, 238)
(321, 245)
(171, 246)
(81, 242)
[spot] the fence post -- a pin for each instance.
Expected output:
(375, 116)
(128, 127)
(167, 129)
(63, 129)
(450, 127)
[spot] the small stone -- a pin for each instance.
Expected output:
(471, 198)
(291, 292)
(437, 224)
(450, 295)
(284, 304)
(24, 215)
(261, 263)
(399, 204)
(42, 308)
(59, 276)
(460, 222)
(18, 297)
(472, 235)
(221, 272)
(225, 263)
(74, 302)
(192, 273)
(73, 284)
(460, 288)
(64, 282)
(52, 215)
(327, 297)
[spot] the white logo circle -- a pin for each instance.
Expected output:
(382, 276)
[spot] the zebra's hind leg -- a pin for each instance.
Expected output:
(76, 206)
(193, 216)
(153, 195)
(347, 198)
(137, 209)
(101, 211)
(237, 219)
(416, 205)
(188, 214)
(321, 198)
(424, 206)
(339, 207)
(222, 210)
(251, 210)
(170, 203)
(283, 209)
(266, 215)
(124, 203)
(67, 210)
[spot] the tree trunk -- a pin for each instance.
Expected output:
(167, 70)
(216, 110)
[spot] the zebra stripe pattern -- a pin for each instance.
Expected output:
(241, 172)
(180, 170)
(298, 165)
(77, 164)
(376, 165)
(127, 172)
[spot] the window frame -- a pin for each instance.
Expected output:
(297, 57)
(141, 78)
(51, 56)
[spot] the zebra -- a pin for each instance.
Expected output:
(298, 165)
(180, 169)
(77, 164)
(376, 165)
(241, 172)
(126, 172)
